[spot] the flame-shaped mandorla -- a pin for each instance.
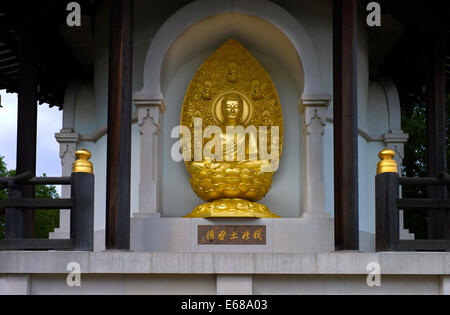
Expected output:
(234, 116)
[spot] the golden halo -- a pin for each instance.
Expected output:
(247, 112)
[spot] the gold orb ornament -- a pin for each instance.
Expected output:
(82, 163)
(387, 163)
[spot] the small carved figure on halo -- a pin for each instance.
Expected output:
(256, 90)
(206, 95)
(232, 72)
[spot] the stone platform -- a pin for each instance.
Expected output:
(223, 273)
(293, 235)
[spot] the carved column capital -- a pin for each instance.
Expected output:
(148, 100)
(149, 110)
(396, 140)
(67, 144)
(314, 100)
(314, 109)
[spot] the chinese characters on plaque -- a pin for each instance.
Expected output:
(232, 235)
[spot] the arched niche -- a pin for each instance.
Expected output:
(203, 25)
(276, 39)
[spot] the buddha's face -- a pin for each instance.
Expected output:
(232, 109)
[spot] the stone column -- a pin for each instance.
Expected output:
(67, 140)
(149, 115)
(19, 284)
(395, 140)
(234, 285)
(314, 107)
(445, 285)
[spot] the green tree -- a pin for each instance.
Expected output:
(45, 221)
(414, 122)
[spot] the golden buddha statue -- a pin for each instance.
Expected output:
(233, 173)
(231, 107)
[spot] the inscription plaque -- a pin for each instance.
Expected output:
(232, 235)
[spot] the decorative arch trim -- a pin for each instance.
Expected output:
(201, 9)
(393, 101)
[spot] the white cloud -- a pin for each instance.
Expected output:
(49, 122)
(8, 126)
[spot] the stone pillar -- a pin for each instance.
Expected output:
(395, 140)
(234, 285)
(67, 146)
(314, 111)
(15, 284)
(445, 285)
(149, 115)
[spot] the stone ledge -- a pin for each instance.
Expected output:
(51, 262)
(179, 235)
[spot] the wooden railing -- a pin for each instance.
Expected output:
(81, 205)
(388, 205)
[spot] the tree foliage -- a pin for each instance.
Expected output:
(45, 221)
(414, 122)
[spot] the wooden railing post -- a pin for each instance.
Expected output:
(13, 215)
(386, 212)
(82, 213)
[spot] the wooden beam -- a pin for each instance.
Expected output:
(27, 123)
(436, 132)
(16, 179)
(34, 203)
(345, 125)
(445, 180)
(408, 204)
(36, 244)
(423, 245)
(119, 126)
(49, 181)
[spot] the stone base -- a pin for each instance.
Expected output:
(286, 235)
(124, 272)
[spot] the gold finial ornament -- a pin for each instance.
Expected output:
(387, 163)
(82, 164)
(231, 89)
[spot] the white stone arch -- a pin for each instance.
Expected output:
(202, 9)
(395, 138)
(393, 101)
(196, 30)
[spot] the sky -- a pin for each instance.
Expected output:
(49, 122)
